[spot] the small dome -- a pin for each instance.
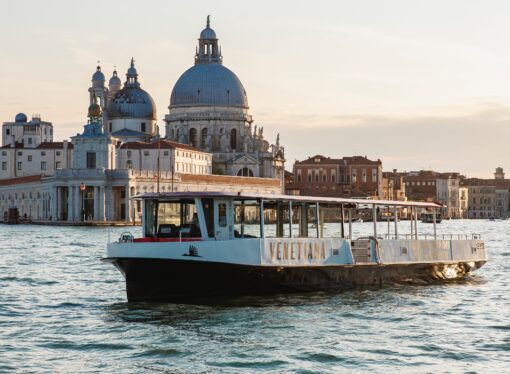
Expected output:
(208, 33)
(208, 85)
(98, 76)
(94, 110)
(21, 117)
(132, 102)
(115, 80)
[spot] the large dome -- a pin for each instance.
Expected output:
(209, 84)
(132, 102)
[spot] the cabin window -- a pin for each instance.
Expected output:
(171, 219)
(208, 207)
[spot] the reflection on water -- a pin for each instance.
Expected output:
(61, 309)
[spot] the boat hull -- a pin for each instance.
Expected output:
(174, 280)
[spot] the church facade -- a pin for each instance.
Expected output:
(209, 110)
(210, 145)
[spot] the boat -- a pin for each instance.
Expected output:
(198, 245)
(429, 217)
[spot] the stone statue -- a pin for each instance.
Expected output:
(208, 142)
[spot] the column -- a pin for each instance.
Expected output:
(101, 203)
(77, 203)
(70, 204)
(58, 215)
(53, 204)
(109, 204)
(127, 207)
(96, 203)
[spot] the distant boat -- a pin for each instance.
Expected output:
(428, 217)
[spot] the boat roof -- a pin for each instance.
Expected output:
(269, 197)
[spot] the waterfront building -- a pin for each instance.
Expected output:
(488, 198)
(209, 110)
(210, 145)
(432, 186)
(394, 187)
(355, 176)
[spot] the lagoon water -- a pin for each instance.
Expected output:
(62, 310)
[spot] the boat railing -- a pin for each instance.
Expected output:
(432, 237)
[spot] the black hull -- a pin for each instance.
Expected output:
(174, 280)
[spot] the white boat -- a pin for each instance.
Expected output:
(199, 245)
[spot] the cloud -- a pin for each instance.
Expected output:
(473, 143)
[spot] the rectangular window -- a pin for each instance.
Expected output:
(43, 165)
(4, 165)
(58, 165)
(4, 153)
(91, 160)
(43, 153)
(29, 140)
(145, 153)
(110, 126)
(374, 175)
(165, 153)
(20, 153)
(142, 127)
(129, 153)
(7, 132)
(58, 153)
(20, 165)
(29, 157)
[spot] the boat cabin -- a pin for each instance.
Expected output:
(203, 216)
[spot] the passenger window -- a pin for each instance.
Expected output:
(222, 215)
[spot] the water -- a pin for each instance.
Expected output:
(62, 310)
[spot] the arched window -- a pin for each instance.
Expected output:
(204, 138)
(233, 139)
(245, 172)
(193, 137)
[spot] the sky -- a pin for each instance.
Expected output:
(417, 84)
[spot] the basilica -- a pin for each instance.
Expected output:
(210, 143)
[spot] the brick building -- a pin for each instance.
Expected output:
(355, 176)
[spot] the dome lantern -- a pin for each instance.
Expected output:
(208, 50)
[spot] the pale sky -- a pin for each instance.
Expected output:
(418, 84)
